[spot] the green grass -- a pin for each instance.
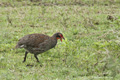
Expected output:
(90, 50)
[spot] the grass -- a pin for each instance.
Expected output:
(90, 50)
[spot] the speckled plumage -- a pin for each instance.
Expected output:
(38, 43)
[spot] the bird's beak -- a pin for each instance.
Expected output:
(62, 38)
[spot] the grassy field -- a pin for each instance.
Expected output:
(91, 50)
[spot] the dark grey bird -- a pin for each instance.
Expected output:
(38, 43)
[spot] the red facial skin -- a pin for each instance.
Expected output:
(61, 37)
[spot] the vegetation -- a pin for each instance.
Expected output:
(91, 49)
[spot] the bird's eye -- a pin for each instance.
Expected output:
(60, 35)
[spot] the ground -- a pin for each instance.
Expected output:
(92, 39)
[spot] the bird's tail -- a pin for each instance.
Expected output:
(17, 46)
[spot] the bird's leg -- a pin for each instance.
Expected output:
(25, 56)
(36, 57)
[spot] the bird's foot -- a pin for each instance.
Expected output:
(23, 61)
(38, 61)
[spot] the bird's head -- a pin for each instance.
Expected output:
(59, 36)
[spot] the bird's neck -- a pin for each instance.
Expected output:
(53, 41)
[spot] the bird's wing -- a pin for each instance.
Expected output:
(33, 40)
(43, 46)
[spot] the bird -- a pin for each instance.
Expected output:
(37, 43)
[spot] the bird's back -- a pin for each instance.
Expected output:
(31, 40)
